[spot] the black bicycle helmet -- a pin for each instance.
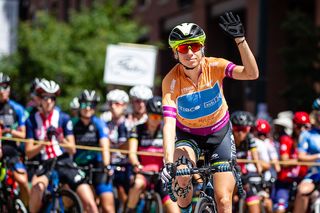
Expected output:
(4, 79)
(154, 105)
(89, 96)
(242, 118)
(316, 104)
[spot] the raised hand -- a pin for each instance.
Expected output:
(231, 25)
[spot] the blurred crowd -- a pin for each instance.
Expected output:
(273, 154)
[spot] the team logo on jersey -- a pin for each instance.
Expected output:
(70, 125)
(200, 104)
(91, 127)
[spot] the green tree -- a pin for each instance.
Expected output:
(300, 55)
(71, 53)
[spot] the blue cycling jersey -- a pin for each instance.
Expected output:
(89, 135)
(309, 142)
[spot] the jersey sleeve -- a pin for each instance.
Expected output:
(67, 125)
(251, 142)
(29, 129)
(122, 132)
(221, 67)
(170, 87)
(303, 144)
(101, 127)
(285, 145)
(134, 132)
(20, 111)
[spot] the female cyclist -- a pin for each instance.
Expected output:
(193, 101)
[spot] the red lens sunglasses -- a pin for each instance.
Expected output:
(184, 48)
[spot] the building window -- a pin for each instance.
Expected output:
(143, 4)
(185, 3)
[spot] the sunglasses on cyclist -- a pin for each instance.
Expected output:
(184, 48)
(47, 97)
(118, 103)
(241, 128)
(85, 105)
(154, 117)
(4, 87)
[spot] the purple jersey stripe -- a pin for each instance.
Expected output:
(206, 130)
(229, 69)
(169, 111)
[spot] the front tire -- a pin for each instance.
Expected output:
(204, 205)
(67, 201)
(154, 205)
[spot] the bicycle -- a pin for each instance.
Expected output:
(57, 199)
(9, 192)
(315, 198)
(152, 199)
(206, 201)
(257, 185)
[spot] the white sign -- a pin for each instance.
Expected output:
(8, 26)
(130, 64)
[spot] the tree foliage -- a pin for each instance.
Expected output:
(71, 53)
(300, 55)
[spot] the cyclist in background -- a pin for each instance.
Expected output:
(138, 95)
(12, 124)
(242, 123)
(309, 151)
(269, 159)
(118, 134)
(195, 110)
(148, 137)
(74, 106)
(289, 153)
(51, 124)
(89, 130)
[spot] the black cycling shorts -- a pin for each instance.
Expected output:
(220, 144)
(68, 174)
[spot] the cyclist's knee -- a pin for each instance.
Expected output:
(139, 184)
(305, 188)
(224, 203)
(38, 188)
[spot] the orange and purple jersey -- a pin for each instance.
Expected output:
(200, 108)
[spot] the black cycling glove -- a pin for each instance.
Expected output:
(231, 25)
(168, 173)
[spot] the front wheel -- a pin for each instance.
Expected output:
(205, 205)
(65, 200)
(154, 204)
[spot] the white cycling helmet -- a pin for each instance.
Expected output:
(141, 92)
(74, 104)
(117, 95)
(46, 86)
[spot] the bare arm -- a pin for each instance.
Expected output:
(133, 147)
(69, 141)
(105, 145)
(255, 157)
(33, 149)
(302, 156)
(169, 134)
(249, 70)
(285, 157)
(19, 133)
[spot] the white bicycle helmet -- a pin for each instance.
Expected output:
(46, 86)
(74, 104)
(4, 79)
(141, 92)
(117, 95)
